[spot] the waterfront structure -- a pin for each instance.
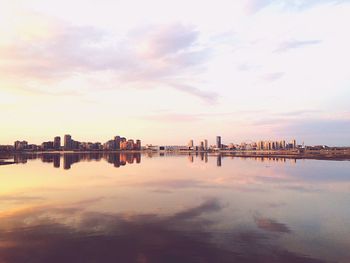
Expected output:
(47, 146)
(206, 145)
(110, 145)
(190, 144)
(20, 145)
(275, 145)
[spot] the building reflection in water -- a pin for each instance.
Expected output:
(218, 160)
(219, 157)
(121, 159)
(117, 159)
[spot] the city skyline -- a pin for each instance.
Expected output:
(69, 144)
(163, 72)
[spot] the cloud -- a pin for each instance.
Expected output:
(172, 117)
(211, 205)
(273, 76)
(334, 129)
(153, 56)
(163, 41)
(294, 44)
(253, 6)
(72, 235)
(271, 225)
(302, 189)
(209, 97)
(19, 198)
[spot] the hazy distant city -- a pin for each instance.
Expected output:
(119, 143)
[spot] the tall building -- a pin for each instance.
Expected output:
(190, 144)
(294, 144)
(130, 145)
(68, 142)
(122, 143)
(117, 142)
(57, 143)
(218, 142)
(206, 144)
(283, 144)
(260, 145)
(138, 145)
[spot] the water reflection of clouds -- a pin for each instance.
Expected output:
(71, 234)
(272, 225)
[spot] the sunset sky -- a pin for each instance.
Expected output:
(169, 71)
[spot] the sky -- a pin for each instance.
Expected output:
(166, 72)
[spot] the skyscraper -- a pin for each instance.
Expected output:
(68, 142)
(218, 142)
(206, 145)
(57, 143)
(117, 142)
(138, 145)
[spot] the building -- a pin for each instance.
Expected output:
(206, 145)
(47, 146)
(190, 144)
(20, 145)
(138, 145)
(110, 145)
(218, 142)
(57, 143)
(68, 143)
(260, 145)
(117, 142)
(130, 145)
(276, 145)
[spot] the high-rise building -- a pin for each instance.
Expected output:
(68, 142)
(294, 144)
(190, 144)
(138, 145)
(218, 142)
(122, 144)
(283, 144)
(130, 145)
(117, 142)
(206, 144)
(57, 143)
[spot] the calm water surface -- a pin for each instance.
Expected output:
(178, 208)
